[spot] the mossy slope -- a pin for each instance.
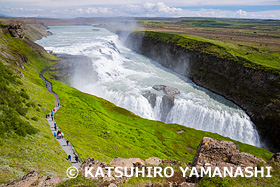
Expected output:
(85, 119)
(26, 142)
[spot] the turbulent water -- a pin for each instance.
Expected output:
(122, 76)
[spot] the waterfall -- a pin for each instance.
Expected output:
(126, 79)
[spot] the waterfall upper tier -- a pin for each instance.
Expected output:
(143, 86)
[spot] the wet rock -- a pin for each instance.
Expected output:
(275, 157)
(171, 91)
(167, 100)
(218, 153)
(166, 89)
(151, 97)
(153, 161)
(166, 104)
(159, 87)
(207, 70)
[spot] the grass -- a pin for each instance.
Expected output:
(177, 177)
(80, 181)
(12, 105)
(30, 147)
(253, 57)
(243, 181)
(85, 119)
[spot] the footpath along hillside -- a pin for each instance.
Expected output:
(69, 150)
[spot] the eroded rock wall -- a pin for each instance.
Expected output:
(256, 90)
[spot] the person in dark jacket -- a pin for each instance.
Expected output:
(76, 158)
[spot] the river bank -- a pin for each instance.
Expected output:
(254, 89)
(130, 80)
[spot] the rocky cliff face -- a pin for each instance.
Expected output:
(217, 153)
(254, 89)
(16, 30)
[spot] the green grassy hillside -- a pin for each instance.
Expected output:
(253, 57)
(85, 119)
(248, 78)
(26, 142)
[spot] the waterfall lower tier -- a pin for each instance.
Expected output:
(128, 80)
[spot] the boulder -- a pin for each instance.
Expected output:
(34, 179)
(159, 87)
(166, 89)
(181, 131)
(151, 97)
(166, 104)
(245, 159)
(218, 153)
(167, 100)
(275, 157)
(109, 180)
(112, 185)
(186, 184)
(171, 91)
(91, 162)
(16, 30)
(153, 161)
(127, 162)
(170, 162)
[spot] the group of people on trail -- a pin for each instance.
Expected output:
(50, 115)
(75, 156)
(59, 134)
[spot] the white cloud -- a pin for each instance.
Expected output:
(149, 9)
(72, 3)
(160, 7)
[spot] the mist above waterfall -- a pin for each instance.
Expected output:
(126, 78)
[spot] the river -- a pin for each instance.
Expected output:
(121, 76)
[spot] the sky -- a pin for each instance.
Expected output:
(263, 9)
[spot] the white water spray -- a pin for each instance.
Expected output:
(122, 77)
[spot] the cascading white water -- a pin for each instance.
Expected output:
(122, 76)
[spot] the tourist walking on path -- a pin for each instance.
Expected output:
(76, 158)
(69, 150)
